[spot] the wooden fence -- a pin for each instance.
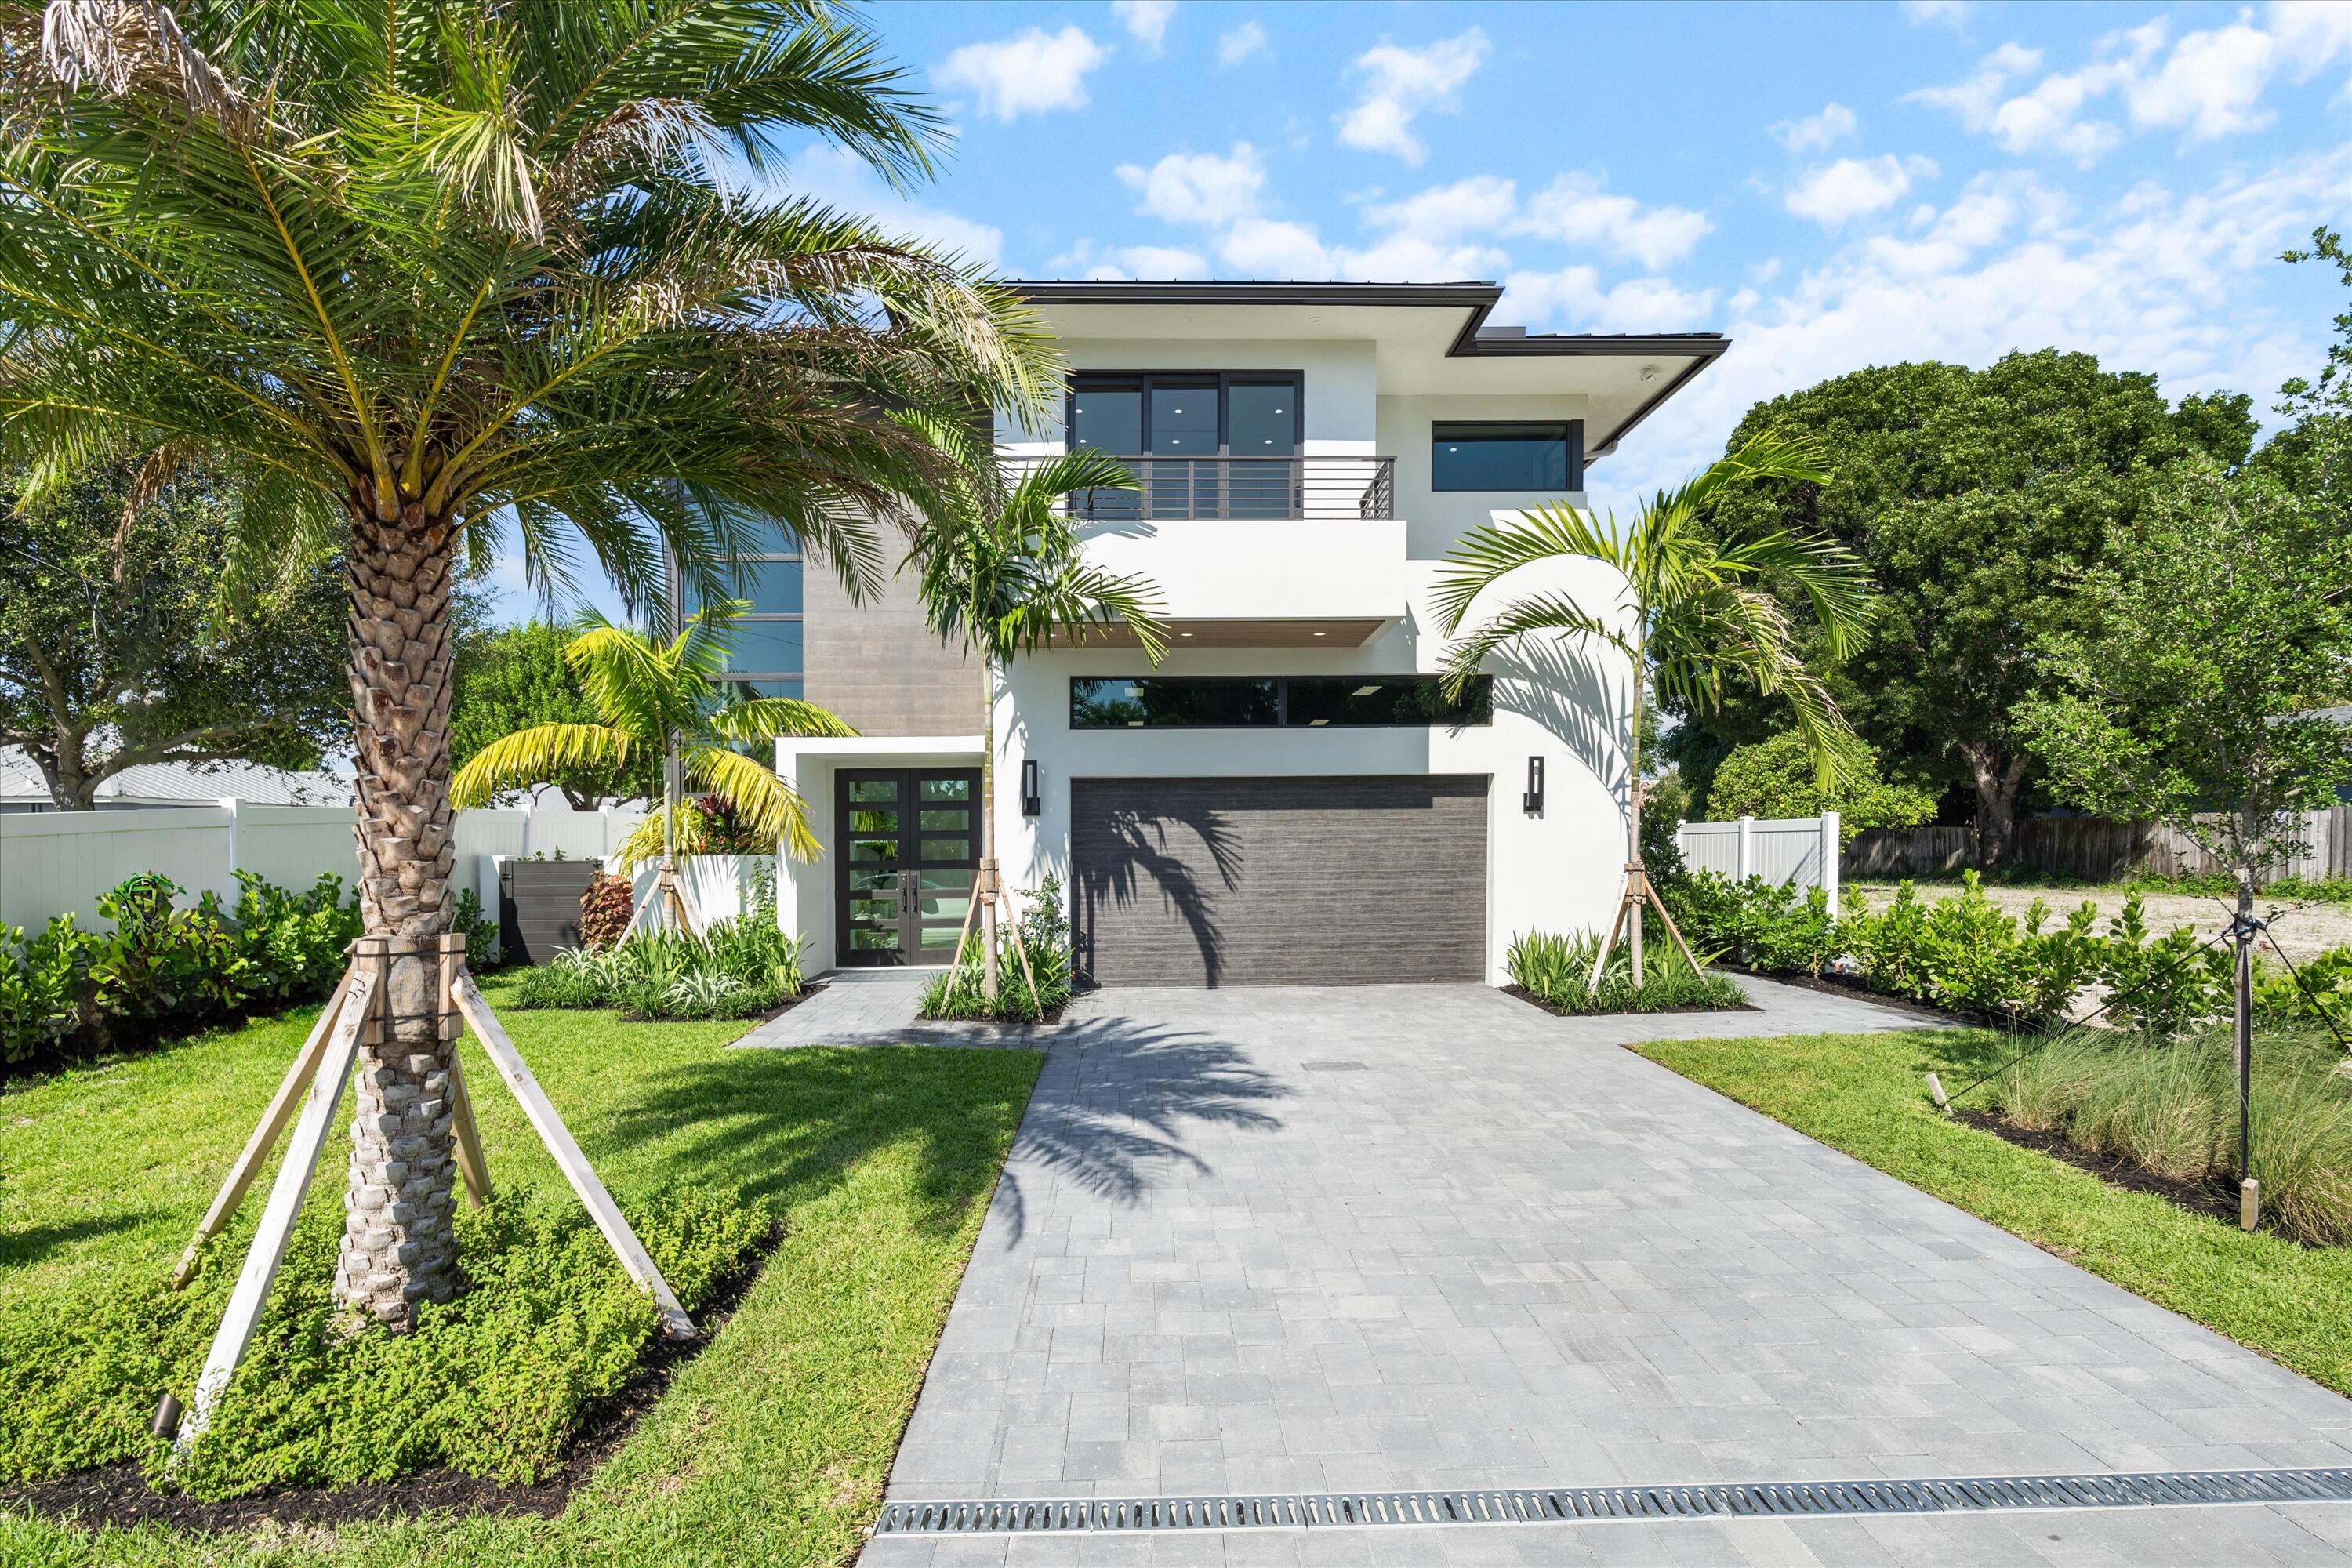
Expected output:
(2086, 848)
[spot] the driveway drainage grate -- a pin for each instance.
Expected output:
(1562, 1505)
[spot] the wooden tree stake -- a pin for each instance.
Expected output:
(568, 1157)
(285, 1206)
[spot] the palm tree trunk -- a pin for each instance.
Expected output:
(397, 1247)
(987, 878)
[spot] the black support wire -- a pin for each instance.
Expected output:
(2309, 995)
(2107, 1006)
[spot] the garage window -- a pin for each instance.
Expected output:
(1271, 702)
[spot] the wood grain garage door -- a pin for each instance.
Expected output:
(1258, 882)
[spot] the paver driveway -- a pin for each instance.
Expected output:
(1278, 1240)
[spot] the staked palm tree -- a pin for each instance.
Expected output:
(1690, 617)
(421, 274)
(661, 699)
(1003, 573)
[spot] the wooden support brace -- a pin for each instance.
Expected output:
(1672, 929)
(1012, 924)
(464, 1133)
(277, 1227)
(265, 1137)
(963, 934)
(1608, 941)
(577, 1170)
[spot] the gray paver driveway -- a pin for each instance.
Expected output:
(1316, 1239)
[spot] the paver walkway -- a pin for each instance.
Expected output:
(1319, 1240)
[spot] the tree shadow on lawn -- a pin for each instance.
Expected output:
(34, 1243)
(1110, 1106)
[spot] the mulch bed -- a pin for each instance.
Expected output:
(2196, 1197)
(1839, 986)
(1532, 1000)
(117, 1494)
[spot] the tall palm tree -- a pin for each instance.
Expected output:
(426, 275)
(1003, 572)
(1691, 616)
(654, 697)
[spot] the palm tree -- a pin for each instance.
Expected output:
(662, 699)
(1691, 616)
(1003, 573)
(426, 278)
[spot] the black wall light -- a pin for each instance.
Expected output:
(1533, 801)
(1030, 805)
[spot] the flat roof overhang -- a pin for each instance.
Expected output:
(1419, 327)
(1187, 633)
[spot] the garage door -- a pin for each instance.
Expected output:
(1256, 882)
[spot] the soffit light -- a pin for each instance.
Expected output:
(1371, 690)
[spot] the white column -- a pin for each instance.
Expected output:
(230, 803)
(1747, 861)
(1829, 859)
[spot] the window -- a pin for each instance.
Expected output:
(1507, 457)
(1187, 414)
(1273, 702)
(766, 659)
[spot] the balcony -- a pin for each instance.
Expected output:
(1254, 552)
(1248, 489)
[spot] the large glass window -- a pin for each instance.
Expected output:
(1507, 457)
(1207, 443)
(766, 578)
(1268, 702)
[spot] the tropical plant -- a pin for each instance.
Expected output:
(1003, 572)
(1556, 970)
(1029, 993)
(513, 678)
(416, 277)
(653, 697)
(1688, 609)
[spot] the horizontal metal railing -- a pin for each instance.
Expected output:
(1297, 486)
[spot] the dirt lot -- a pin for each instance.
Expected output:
(2302, 928)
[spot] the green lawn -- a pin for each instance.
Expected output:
(1864, 1094)
(772, 1446)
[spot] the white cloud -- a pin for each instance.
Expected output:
(1576, 210)
(1146, 22)
(1835, 193)
(1573, 297)
(1816, 132)
(1480, 202)
(1200, 187)
(2154, 281)
(1939, 12)
(1086, 259)
(1400, 84)
(835, 175)
(1240, 44)
(1030, 73)
(2209, 83)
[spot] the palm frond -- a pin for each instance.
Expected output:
(531, 756)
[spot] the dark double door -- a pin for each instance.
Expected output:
(910, 847)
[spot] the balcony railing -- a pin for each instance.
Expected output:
(1322, 488)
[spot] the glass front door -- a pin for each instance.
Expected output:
(909, 848)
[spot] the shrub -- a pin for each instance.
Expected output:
(742, 968)
(1558, 970)
(2162, 986)
(480, 932)
(494, 1384)
(1778, 778)
(293, 945)
(1045, 932)
(605, 909)
(165, 965)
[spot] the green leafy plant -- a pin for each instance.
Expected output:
(1780, 777)
(1557, 970)
(494, 1384)
(1045, 932)
(293, 945)
(480, 932)
(42, 983)
(163, 965)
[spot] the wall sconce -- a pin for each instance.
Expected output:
(1532, 802)
(1030, 805)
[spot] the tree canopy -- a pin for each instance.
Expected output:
(123, 638)
(514, 678)
(1780, 777)
(1975, 497)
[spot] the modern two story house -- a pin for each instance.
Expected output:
(1290, 796)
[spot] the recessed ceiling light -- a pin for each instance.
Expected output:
(1368, 690)
(1316, 723)
(1322, 634)
(1183, 633)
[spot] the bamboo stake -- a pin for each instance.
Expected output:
(285, 1194)
(281, 1109)
(574, 1164)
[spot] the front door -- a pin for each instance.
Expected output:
(910, 849)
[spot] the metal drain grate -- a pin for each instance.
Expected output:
(1563, 1505)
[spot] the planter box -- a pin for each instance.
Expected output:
(539, 907)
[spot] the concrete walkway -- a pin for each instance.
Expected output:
(1310, 1240)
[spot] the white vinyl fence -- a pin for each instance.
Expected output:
(1802, 851)
(53, 862)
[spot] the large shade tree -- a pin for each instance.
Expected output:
(1976, 498)
(426, 278)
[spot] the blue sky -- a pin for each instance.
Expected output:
(1831, 185)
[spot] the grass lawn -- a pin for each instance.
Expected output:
(1864, 1094)
(772, 1446)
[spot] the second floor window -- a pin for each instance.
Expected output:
(1187, 414)
(1496, 456)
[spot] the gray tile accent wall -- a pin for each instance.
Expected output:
(1243, 881)
(879, 667)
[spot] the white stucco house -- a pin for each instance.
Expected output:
(1289, 796)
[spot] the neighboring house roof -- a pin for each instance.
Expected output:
(1690, 352)
(181, 783)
